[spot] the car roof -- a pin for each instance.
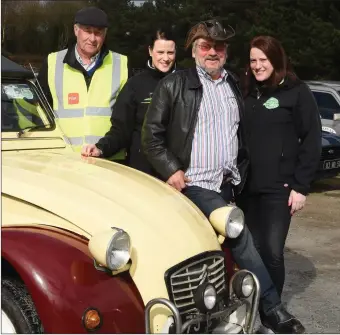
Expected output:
(10, 69)
(324, 83)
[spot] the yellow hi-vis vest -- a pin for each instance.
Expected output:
(84, 114)
(26, 113)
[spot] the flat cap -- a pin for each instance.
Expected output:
(92, 16)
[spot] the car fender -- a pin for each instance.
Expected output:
(59, 273)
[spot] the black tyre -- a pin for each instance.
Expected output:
(18, 306)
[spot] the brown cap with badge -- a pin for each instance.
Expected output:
(210, 29)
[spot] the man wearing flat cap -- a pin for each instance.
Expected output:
(82, 82)
(193, 137)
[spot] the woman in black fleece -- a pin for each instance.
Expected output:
(132, 103)
(284, 139)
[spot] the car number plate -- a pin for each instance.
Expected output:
(333, 164)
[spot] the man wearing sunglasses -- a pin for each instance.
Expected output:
(193, 137)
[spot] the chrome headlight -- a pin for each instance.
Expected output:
(111, 248)
(243, 284)
(205, 297)
(228, 221)
(248, 285)
(209, 297)
(118, 251)
(235, 223)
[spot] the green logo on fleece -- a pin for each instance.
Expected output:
(271, 103)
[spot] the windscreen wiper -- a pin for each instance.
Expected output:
(31, 128)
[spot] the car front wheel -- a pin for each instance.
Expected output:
(18, 312)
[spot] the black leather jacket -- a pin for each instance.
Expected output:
(127, 117)
(170, 122)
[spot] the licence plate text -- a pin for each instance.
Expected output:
(334, 164)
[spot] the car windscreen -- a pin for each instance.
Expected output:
(21, 108)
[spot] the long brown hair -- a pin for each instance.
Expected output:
(275, 53)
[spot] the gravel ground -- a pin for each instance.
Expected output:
(312, 289)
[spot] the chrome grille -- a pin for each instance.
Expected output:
(184, 279)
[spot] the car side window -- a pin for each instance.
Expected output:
(326, 100)
(326, 113)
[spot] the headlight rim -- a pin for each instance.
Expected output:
(248, 276)
(228, 222)
(199, 297)
(238, 283)
(109, 249)
(210, 287)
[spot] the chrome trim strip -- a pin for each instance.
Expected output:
(180, 329)
(170, 305)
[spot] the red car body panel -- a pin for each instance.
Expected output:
(60, 275)
(228, 261)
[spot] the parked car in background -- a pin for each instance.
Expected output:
(330, 156)
(327, 95)
(92, 246)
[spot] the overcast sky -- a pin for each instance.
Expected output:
(138, 2)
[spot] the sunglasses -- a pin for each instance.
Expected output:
(219, 46)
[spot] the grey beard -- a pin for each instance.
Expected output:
(210, 72)
(213, 72)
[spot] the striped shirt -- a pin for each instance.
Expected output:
(215, 143)
(87, 67)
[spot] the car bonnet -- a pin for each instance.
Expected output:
(95, 195)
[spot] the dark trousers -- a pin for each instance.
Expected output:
(242, 248)
(268, 219)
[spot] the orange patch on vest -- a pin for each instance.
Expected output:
(73, 98)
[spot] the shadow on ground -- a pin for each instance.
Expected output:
(300, 274)
(324, 185)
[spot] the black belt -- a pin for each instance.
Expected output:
(227, 178)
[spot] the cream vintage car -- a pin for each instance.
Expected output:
(89, 245)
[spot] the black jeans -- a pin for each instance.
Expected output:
(242, 247)
(268, 219)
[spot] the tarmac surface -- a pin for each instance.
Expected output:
(312, 256)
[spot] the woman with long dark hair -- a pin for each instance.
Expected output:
(284, 139)
(132, 103)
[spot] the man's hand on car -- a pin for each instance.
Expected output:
(90, 150)
(296, 201)
(178, 180)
